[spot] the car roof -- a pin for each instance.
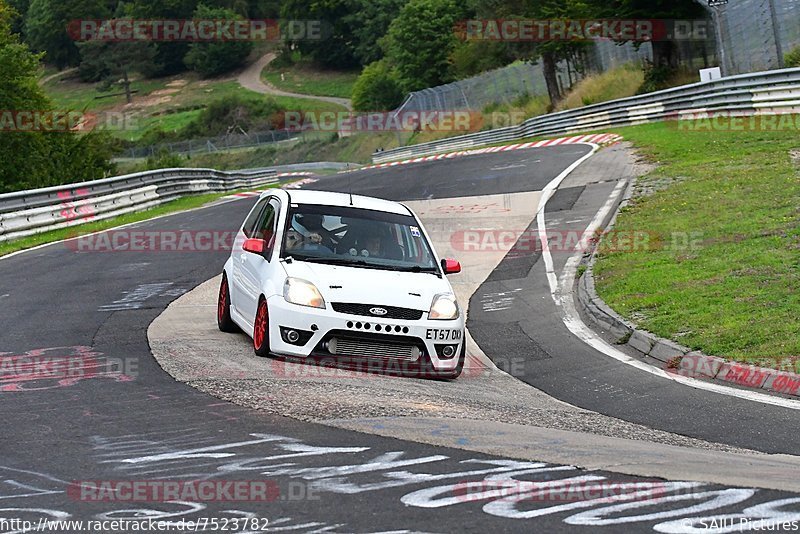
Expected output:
(328, 198)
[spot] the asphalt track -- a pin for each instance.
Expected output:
(123, 418)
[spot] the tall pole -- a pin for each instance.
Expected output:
(776, 32)
(720, 34)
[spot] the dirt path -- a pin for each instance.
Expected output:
(58, 74)
(251, 79)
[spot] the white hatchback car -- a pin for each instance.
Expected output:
(329, 275)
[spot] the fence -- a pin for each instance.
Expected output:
(218, 144)
(748, 36)
(24, 213)
(755, 34)
(768, 92)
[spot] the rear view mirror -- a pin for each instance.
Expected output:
(255, 246)
(451, 266)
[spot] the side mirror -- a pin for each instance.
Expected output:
(451, 267)
(255, 246)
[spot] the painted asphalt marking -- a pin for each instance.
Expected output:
(306, 179)
(597, 139)
(509, 167)
(562, 296)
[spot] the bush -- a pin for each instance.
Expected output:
(164, 159)
(229, 115)
(656, 78)
(792, 59)
(377, 89)
(283, 60)
(235, 114)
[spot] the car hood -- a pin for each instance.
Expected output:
(370, 286)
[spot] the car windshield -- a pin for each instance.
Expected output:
(357, 237)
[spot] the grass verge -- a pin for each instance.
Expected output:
(174, 206)
(620, 82)
(167, 104)
(303, 79)
(721, 218)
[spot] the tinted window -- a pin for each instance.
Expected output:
(338, 235)
(250, 222)
(267, 223)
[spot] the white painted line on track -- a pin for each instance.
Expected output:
(563, 298)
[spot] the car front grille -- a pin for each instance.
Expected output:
(392, 312)
(359, 348)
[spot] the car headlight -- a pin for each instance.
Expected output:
(302, 293)
(444, 308)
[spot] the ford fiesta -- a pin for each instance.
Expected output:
(328, 275)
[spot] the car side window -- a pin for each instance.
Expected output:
(249, 226)
(267, 225)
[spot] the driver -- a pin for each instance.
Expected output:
(318, 234)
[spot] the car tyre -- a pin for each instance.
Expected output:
(261, 329)
(224, 321)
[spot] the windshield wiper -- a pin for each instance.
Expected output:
(416, 269)
(337, 261)
(348, 262)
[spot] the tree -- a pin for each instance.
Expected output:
(37, 158)
(377, 89)
(336, 47)
(215, 58)
(664, 50)
(112, 63)
(370, 21)
(471, 58)
(169, 55)
(420, 40)
(18, 20)
(551, 52)
(46, 24)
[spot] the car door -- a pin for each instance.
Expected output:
(248, 229)
(256, 268)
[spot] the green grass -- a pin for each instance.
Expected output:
(69, 94)
(616, 83)
(734, 293)
(168, 103)
(181, 204)
(169, 122)
(317, 147)
(301, 78)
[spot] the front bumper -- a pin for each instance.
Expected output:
(317, 328)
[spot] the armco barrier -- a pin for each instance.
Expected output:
(24, 213)
(770, 92)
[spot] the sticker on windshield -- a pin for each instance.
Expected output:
(415, 231)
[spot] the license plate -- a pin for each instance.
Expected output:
(436, 334)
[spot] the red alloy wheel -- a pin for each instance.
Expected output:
(223, 300)
(262, 318)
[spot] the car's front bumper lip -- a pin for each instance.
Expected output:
(425, 332)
